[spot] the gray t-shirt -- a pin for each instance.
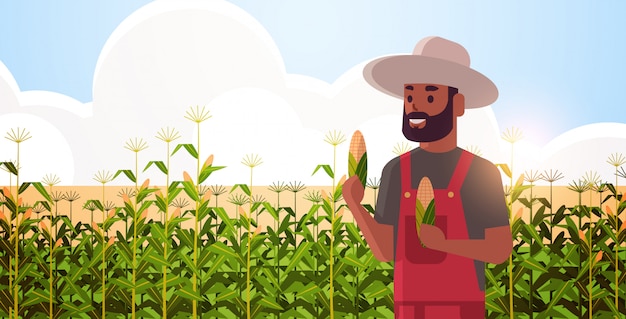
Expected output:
(482, 193)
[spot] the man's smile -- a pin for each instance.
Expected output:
(417, 123)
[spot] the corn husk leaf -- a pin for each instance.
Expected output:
(357, 157)
(429, 215)
(358, 168)
(424, 195)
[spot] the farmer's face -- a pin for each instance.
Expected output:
(428, 112)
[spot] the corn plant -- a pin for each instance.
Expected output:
(197, 116)
(616, 160)
(512, 136)
(333, 138)
(564, 266)
(250, 161)
(374, 185)
(163, 202)
(18, 136)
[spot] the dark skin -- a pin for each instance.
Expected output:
(496, 246)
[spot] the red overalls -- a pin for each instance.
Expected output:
(430, 283)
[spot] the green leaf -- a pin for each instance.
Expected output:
(207, 171)
(124, 249)
(96, 203)
(380, 293)
(545, 202)
(355, 233)
(142, 285)
(23, 187)
(121, 282)
(204, 258)
(191, 190)
(243, 187)
(269, 303)
(173, 191)
(78, 290)
(158, 164)
(297, 256)
(497, 305)
(532, 264)
(74, 309)
(158, 232)
(221, 212)
(326, 168)
(128, 173)
(610, 303)
(144, 193)
(23, 272)
(556, 297)
(505, 168)
(42, 190)
(268, 207)
(222, 249)
(35, 297)
(10, 167)
(227, 295)
(185, 237)
(190, 149)
(323, 299)
(157, 260)
(188, 293)
(534, 234)
(43, 203)
(353, 260)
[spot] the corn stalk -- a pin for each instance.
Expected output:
(512, 136)
(333, 138)
(616, 160)
(18, 136)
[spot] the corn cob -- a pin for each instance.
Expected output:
(357, 158)
(424, 214)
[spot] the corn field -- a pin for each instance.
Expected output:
(185, 251)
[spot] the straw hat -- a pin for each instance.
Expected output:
(435, 61)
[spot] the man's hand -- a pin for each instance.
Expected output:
(353, 190)
(495, 248)
(432, 237)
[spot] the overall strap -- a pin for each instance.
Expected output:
(462, 167)
(405, 171)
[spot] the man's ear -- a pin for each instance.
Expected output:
(458, 102)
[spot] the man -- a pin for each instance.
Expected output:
(444, 277)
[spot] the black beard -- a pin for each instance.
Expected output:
(436, 128)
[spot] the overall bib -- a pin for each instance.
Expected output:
(430, 283)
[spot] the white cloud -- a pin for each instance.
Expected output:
(171, 55)
(45, 152)
(586, 150)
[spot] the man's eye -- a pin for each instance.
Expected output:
(430, 99)
(410, 98)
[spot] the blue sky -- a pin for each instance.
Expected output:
(558, 64)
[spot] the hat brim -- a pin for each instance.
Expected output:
(390, 74)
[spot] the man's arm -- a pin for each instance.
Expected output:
(378, 236)
(495, 248)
